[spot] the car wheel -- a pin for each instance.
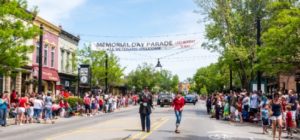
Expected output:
(194, 103)
(161, 105)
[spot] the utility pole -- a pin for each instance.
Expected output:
(106, 73)
(258, 42)
(40, 60)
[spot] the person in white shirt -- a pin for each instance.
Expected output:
(254, 103)
(37, 108)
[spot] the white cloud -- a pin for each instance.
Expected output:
(55, 10)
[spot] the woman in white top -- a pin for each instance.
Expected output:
(37, 108)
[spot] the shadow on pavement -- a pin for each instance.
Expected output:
(133, 130)
(189, 137)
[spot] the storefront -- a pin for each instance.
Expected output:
(50, 78)
(68, 82)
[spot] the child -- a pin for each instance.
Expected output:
(265, 117)
(226, 110)
(289, 122)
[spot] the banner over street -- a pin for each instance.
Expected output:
(140, 46)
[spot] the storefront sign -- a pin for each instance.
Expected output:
(47, 74)
(140, 46)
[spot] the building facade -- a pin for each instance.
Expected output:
(49, 56)
(67, 67)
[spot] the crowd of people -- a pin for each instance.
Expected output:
(34, 108)
(278, 111)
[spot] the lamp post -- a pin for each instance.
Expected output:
(158, 65)
(40, 59)
(258, 42)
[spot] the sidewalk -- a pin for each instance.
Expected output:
(11, 121)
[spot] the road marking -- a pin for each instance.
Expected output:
(155, 128)
(140, 134)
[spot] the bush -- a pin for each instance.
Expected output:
(72, 100)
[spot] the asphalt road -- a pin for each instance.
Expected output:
(125, 125)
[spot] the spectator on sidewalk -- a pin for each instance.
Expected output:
(293, 103)
(233, 101)
(22, 108)
(239, 106)
(101, 103)
(276, 116)
(14, 98)
(87, 104)
(48, 107)
(289, 122)
(55, 110)
(254, 103)
(265, 118)
(246, 106)
(3, 109)
(37, 108)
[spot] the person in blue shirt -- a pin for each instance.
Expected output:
(265, 118)
(3, 110)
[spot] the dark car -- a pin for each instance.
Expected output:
(191, 98)
(165, 99)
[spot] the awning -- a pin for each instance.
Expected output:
(48, 74)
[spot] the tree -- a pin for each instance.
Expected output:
(16, 28)
(143, 76)
(212, 78)
(96, 59)
(146, 76)
(281, 48)
(231, 31)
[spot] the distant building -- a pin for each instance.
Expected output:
(67, 67)
(184, 87)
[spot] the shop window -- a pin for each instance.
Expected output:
(62, 60)
(37, 46)
(52, 57)
(45, 54)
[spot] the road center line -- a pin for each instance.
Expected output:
(155, 128)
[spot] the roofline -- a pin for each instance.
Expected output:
(75, 38)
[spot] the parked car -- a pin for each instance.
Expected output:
(164, 99)
(191, 98)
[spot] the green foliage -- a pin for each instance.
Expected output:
(96, 59)
(72, 100)
(231, 31)
(213, 78)
(146, 76)
(16, 27)
(281, 50)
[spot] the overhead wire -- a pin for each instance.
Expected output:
(139, 36)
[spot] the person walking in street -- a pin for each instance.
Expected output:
(146, 103)
(178, 104)
(276, 116)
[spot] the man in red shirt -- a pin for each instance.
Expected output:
(178, 104)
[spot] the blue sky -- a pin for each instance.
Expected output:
(135, 20)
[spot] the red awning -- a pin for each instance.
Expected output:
(47, 74)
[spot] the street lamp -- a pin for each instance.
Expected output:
(40, 59)
(158, 65)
